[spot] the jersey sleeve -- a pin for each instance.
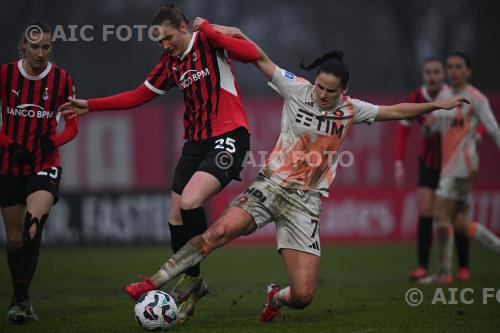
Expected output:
(69, 88)
(1, 79)
(364, 112)
(400, 141)
(287, 84)
(159, 79)
(237, 49)
(485, 115)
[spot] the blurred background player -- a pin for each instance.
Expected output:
(288, 190)
(429, 167)
(460, 163)
(31, 90)
(214, 123)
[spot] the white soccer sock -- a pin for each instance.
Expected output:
(484, 236)
(282, 298)
(444, 250)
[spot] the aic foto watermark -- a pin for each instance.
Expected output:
(297, 159)
(91, 33)
(452, 296)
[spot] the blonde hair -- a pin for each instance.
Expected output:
(36, 26)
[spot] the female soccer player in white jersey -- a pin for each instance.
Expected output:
(460, 164)
(315, 120)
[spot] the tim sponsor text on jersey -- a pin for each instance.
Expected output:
(30, 111)
(323, 124)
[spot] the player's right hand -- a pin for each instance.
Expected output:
(75, 107)
(399, 174)
(451, 103)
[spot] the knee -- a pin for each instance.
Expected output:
(14, 243)
(425, 206)
(425, 209)
(14, 238)
(175, 217)
(440, 217)
(461, 227)
(190, 201)
(301, 299)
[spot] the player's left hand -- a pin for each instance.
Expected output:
(452, 103)
(75, 107)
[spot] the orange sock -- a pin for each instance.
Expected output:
(471, 231)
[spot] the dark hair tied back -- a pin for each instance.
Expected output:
(330, 63)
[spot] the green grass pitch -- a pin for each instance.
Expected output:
(361, 288)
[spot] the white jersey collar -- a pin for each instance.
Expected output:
(31, 77)
(190, 46)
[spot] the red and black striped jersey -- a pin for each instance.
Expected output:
(430, 145)
(211, 94)
(29, 111)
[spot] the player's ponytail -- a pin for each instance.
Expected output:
(28, 32)
(330, 63)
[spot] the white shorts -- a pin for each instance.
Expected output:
(295, 213)
(455, 188)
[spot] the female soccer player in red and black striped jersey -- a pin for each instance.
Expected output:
(429, 166)
(31, 90)
(215, 125)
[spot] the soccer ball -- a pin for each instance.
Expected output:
(155, 310)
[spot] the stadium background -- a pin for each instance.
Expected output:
(117, 173)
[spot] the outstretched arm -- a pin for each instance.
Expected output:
(410, 110)
(126, 100)
(262, 61)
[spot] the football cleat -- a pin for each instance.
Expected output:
(136, 290)
(16, 315)
(437, 279)
(417, 274)
(185, 287)
(463, 274)
(28, 308)
(270, 312)
(186, 309)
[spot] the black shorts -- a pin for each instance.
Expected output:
(221, 156)
(427, 176)
(15, 189)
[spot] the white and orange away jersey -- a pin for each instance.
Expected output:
(306, 154)
(458, 133)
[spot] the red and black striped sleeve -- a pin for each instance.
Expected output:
(160, 79)
(70, 124)
(238, 49)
